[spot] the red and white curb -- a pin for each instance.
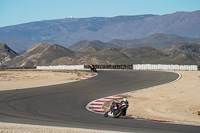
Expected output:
(96, 105)
(88, 76)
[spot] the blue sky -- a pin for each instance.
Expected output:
(14, 12)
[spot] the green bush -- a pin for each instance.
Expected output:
(198, 112)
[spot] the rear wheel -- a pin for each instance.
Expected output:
(106, 114)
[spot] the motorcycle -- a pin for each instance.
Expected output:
(117, 109)
(92, 68)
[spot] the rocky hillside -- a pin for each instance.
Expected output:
(182, 47)
(81, 45)
(40, 54)
(181, 53)
(71, 30)
(124, 56)
(52, 54)
(6, 53)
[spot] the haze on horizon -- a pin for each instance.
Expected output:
(14, 12)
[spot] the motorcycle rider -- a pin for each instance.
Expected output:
(115, 105)
(124, 101)
(91, 66)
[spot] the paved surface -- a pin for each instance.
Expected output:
(65, 104)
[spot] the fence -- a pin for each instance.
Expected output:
(61, 67)
(134, 67)
(165, 67)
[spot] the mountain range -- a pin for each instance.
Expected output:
(53, 54)
(158, 41)
(71, 30)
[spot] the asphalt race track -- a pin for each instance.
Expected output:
(65, 104)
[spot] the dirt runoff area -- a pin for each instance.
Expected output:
(176, 102)
(25, 128)
(20, 79)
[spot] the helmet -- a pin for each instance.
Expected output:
(124, 99)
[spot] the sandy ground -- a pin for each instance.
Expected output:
(176, 102)
(19, 79)
(19, 128)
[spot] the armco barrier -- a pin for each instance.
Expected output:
(61, 67)
(165, 67)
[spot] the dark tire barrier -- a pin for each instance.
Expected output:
(111, 66)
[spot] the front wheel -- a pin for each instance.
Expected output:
(94, 70)
(124, 112)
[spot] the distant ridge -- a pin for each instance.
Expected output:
(158, 41)
(96, 43)
(90, 49)
(69, 31)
